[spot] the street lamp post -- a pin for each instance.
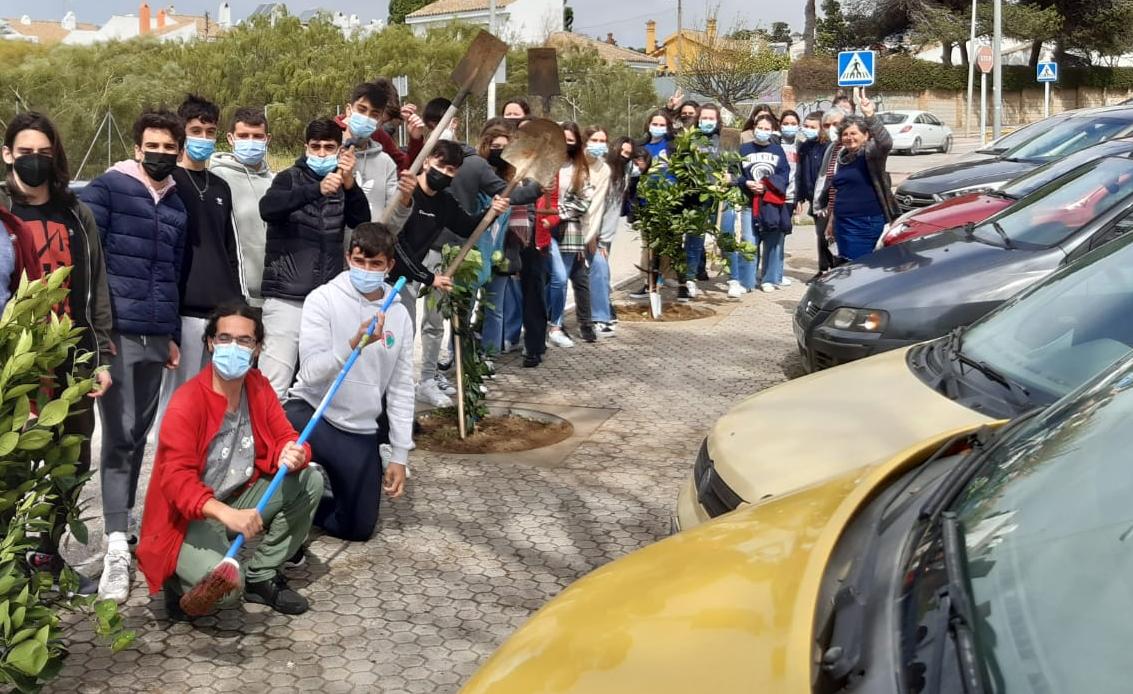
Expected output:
(492, 84)
(997, 75)
(971, 72)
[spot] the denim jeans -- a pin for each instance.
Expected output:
(503, 315)
(600, 309)
(743, 271)
(694, 254)
(771, 256)
(564, 267)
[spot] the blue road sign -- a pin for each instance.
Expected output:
(1047, 72)
(855, 68)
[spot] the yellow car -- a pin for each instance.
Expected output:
(993, 556)
(1027, 354)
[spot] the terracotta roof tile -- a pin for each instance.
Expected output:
(453, 6)
(606, 51)
(47, 32)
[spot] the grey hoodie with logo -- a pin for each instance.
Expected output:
(248, 185)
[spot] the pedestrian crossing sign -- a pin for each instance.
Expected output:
(855, 68)
(1047, 72)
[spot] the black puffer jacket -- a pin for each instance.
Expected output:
(305, 231)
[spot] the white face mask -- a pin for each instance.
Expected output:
(448, 134)
(832, 133)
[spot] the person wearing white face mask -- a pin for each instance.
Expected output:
(248, 175)
(335, 319)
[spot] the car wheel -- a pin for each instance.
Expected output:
(916, 148)
(947, 146)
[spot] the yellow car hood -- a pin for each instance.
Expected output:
(819, 426)
(725, 607)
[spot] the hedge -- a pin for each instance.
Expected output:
(902, 73)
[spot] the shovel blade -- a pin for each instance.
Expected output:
(543, 72)
(730, 140)
(537, 151)
(655, 305)
(479, 64)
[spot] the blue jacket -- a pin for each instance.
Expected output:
(811, 154)
(767, 163)
(143, 242)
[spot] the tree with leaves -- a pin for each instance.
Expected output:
(399, 9)
(731, 71)
(832, 32)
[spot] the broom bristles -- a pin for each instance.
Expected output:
(204, 596)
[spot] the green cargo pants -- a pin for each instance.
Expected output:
(287, 520)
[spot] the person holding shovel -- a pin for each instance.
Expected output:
(223, 438)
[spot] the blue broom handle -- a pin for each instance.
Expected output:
(318, 415)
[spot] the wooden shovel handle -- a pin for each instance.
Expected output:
(489, 217)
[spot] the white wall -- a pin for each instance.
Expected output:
(527, 21)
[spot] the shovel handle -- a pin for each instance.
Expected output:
(489, 217)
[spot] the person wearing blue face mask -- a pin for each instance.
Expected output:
(307, 209)
(764, 181)
(245, 169)
(210, 266)
(658, 136)
(376, 403)
(376, 171)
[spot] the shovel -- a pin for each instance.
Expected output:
(655, 306)
(473, 74)
(537, 152)
(543, 76)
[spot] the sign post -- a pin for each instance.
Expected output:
(856, 68)
(985, 61)
(401, 84)
(1046, 72)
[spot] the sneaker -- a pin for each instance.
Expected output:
(735, 289)
(559, 339)
(588, 334)
(530, 361)
(702, 276)
(509, 347)
(642, 293)
(115, 582)
(768, 287)
(53, 563)
(785, 282)
(693, 290)
(443, 384)
(430, 394)
(489, 368)
(298, 559)
(683, 295)
(276, 594)
(604, 330)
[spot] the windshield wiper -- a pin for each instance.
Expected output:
(961, 607)
(989, 372)
(1003, 235)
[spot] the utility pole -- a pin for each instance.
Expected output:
(971, 72)
(492, 83)
(680, 30)
(997, 75)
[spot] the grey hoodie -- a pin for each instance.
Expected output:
(376, 173)
(248, 186)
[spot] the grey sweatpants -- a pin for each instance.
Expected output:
(281, 343)
(127, 412)
(432, 328)
(194, 356)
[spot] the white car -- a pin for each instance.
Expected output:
(915, 131)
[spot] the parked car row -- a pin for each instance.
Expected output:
(945, 511)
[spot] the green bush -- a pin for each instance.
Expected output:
(38, 474)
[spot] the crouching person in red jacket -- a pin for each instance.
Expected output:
(223, 437)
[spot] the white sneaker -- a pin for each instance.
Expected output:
(693, 289)
(509, 347)
(785, 282)
(444, 385)
(768, 287)
(431, 394)
(559, 339)
(735, 289)
(115, 582)
(604, 330)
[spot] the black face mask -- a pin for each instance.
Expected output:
(514, 121)
(572, 150)
(437, 180)
(496, 158)
(159, 165)
(34, 169)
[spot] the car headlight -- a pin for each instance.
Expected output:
(968, 190)
(864, 320)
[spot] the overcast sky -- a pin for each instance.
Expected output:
(593, 17)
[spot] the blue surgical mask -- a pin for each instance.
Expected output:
(250, 152)
(810, 133)
(231, 361)
(763, 136)
(597, 150)
(789, 130)
(321, 166)
(361, 126)
(658, 131)
(199, 148)
(707, 127)
(366, 281)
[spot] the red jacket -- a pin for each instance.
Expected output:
(27, 257)
(547, 208)
(176, 493)
(403, 160)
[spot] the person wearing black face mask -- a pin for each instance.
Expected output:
(61, 232)
(144, 226)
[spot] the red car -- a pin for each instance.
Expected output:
(977, 206)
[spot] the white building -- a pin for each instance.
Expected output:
(517, 21)
(44, 32)
(166, 24)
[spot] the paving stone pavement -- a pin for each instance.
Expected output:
(475, 548)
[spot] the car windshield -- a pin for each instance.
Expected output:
(1059, 209)
(1066, 330)
(1031, 181)
(893, 118)
(1024, 134)
(1069, 136)
(1047, 525)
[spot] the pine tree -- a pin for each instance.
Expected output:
(398, 9)
(833, 31)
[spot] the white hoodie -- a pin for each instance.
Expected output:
(331, 317)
